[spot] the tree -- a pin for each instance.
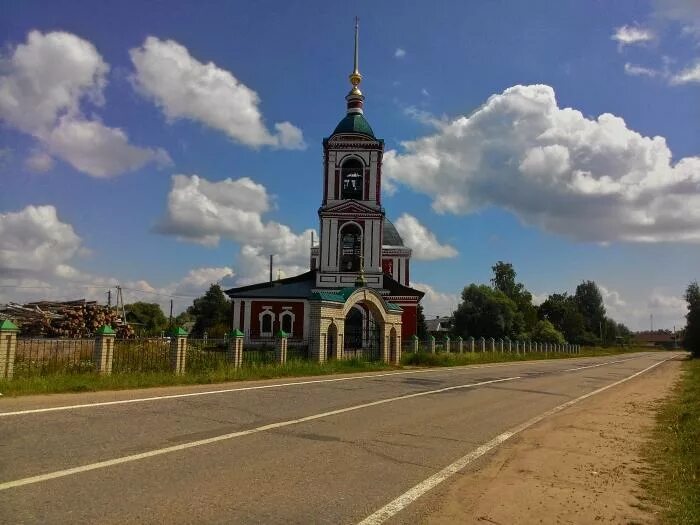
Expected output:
(421, 327)
(212, 313)
(504, 280)
(691, 338)
(146, 318)
(560, 309)
(545, 332)
(589, 302)
(487, 312)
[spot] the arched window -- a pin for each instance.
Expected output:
(287, 322)
(350, 248)
(351, 179)
(266, 319)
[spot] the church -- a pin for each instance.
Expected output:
(356, 296)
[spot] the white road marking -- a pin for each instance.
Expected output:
(167, 450)
(280, 385)
(599, 364)
(428, 484)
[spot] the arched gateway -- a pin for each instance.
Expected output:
(356, 298)
(380, 327)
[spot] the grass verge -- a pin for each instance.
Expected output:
(92, 382)
(673, 482)
(468, 358)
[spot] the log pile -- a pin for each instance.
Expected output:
(74, 319)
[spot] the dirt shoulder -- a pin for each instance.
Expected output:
(580, 466)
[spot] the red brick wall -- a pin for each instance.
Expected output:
(296, 308)
(409, 321)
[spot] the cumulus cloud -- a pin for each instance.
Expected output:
(437, 303)
(42, 85)
(628, 35)
(184, 87)
(38, 257)
(422, 241)
(35, 241)
(202, 211)
(590, 179)
(399, 53)
(688, 75)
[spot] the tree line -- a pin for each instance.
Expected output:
(505, 309)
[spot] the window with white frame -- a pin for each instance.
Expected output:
(267, 321)
(287, 320)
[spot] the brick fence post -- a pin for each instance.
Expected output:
(431, 343)
(460, 344)
(281, 347)
(234, 350)
(415, 342)
(447, 344)
(178, 350)
(482, 345)
(8, 347)
(103, 354)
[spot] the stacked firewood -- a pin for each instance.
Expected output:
(73, 319)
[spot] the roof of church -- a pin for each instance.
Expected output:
(297, 287)
(301, 287)
(354, 123)
(391, 234)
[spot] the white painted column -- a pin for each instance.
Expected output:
(237, 314)
(376, 235)
(373, 176)
(333, 241)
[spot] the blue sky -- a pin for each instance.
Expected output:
(95, 124)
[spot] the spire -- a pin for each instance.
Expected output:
(355, 98)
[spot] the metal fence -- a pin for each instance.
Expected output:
(141, 355)
(50, 356)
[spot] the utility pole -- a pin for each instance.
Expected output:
(109, 298)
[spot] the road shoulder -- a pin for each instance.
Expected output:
(580, 466)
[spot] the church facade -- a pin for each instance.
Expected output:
(356, 294)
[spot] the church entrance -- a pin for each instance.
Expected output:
(362, 335)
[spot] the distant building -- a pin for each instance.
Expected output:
(665, 338)
(439, 325)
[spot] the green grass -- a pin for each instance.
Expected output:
(673, 482)
(91, 382)
(205, 370)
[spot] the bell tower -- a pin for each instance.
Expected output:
(351, 216)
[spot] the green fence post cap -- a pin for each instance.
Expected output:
(414, 337)
(236, 333)
(179, 332)
(447, 338)
(105, 329)
(459, 338)
(281, 333)
(8, 326)
(432, 338)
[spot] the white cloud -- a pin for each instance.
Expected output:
(687, 75)
(35, 241)
(183, 87)
(399, 53)
(100, 151)
(590, 179)
(637, 71)
(628, 35)
(42, 86)
(436, 303)
(204, 212)
(39, 161)
(422, 241)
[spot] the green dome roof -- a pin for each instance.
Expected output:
(354, 123)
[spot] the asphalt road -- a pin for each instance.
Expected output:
(327, 450)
